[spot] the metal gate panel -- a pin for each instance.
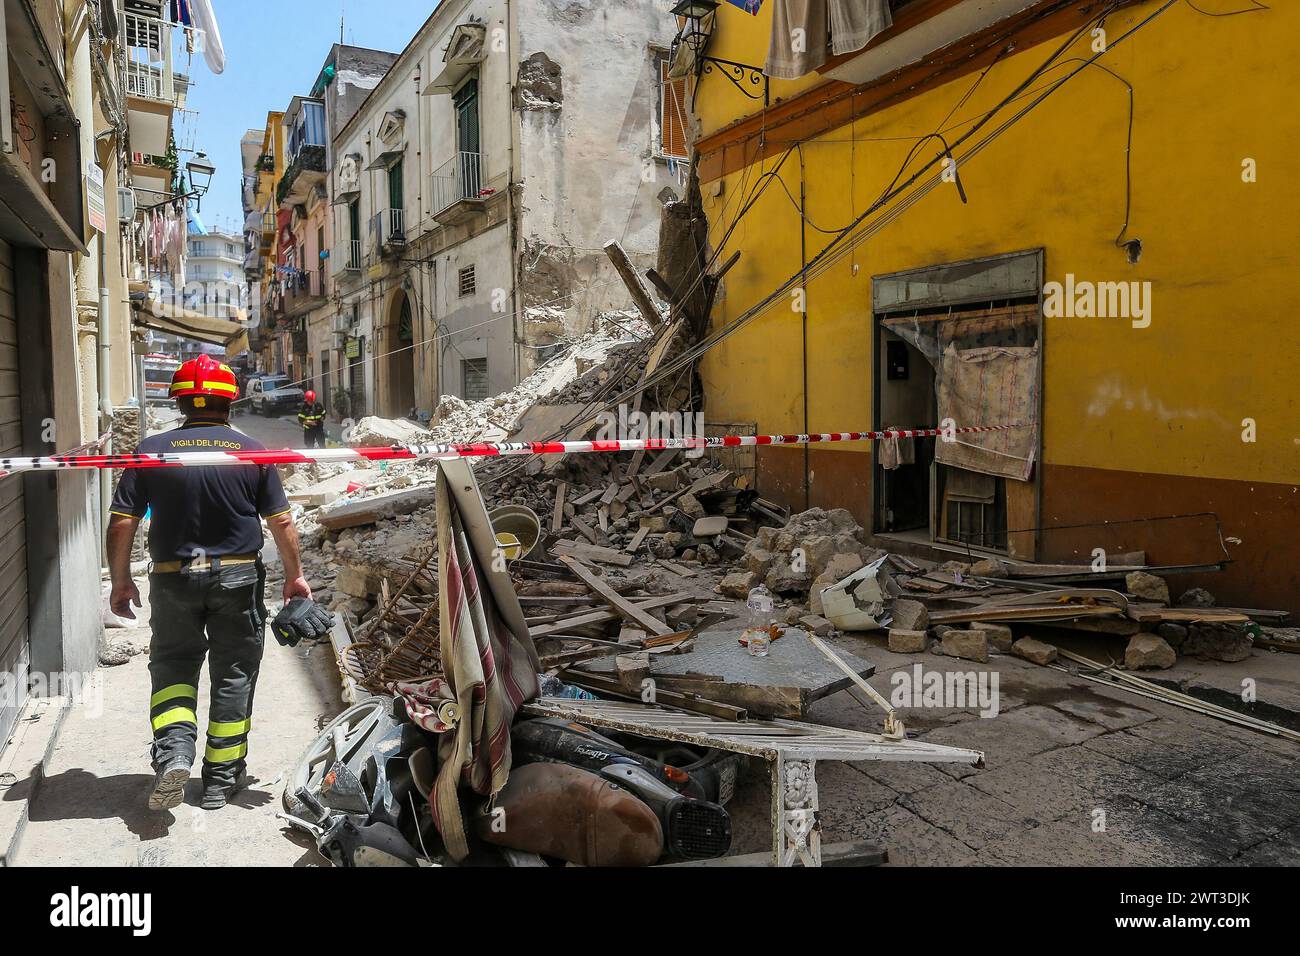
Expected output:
(14, 648)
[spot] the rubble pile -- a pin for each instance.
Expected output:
(664, 570)
(354, 520)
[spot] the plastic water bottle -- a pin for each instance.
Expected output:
(759, 633)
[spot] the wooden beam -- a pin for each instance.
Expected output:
(603, 615)
(615, 600)
(592, 552)
(557, 516)
(632, 279)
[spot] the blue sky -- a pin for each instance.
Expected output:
(274, 50)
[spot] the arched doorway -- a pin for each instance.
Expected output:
(399, 363)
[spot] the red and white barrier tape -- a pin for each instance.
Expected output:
(424, 452)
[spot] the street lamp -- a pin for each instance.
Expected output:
(695, 9)
(750, 80)
(201, 171)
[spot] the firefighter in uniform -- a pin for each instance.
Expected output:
(205, 584)
(311, 416)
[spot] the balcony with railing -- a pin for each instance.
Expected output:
(305, 170)
(388, 230)
(298, 293)
(147, 42)
(269, 227)
(348, 258)
(458, 191)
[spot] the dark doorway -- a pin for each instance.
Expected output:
(400, 361)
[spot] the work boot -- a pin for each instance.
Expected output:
(216, 795)
(169, 784)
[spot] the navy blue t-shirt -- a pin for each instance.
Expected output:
(212, 511)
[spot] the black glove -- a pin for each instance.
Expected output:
(299, 619)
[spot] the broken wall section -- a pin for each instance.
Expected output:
(587, 96)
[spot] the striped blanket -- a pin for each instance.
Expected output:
(490, 667)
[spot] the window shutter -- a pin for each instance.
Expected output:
(672, 112)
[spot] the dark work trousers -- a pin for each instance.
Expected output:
(219, 614)
(314, 437)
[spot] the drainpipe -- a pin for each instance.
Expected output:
(516, 332)
(91, 271)
(105, 394)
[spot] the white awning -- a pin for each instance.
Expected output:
(230, 333)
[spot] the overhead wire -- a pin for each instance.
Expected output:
(832, 252)
(598, 402)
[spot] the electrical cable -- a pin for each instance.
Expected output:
(1256, 8)
(690, 355)
(453, 332)
(832, 252)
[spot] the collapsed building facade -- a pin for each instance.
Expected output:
(474, 189)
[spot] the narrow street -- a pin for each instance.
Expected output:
(705, 434)
(91, 811)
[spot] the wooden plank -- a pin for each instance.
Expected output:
(615, 600)
(1012, 613)
(602, 615)
(592, 552)
(676, 569)
(1189, 615)
(663, 696)
(588, 532)
(660, 462)
(1119, 626)
(557, 515)
(695, 487)
(632, 279)
(636, 540)
(588, 498)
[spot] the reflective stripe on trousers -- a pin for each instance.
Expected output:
(219, 617)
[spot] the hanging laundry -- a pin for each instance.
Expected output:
(158, 236)
(896, 452)
(749, 6)
(800, 35)
(180, 12)
(854, 23)
(204, 19)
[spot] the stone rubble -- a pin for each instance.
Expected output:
(683, 524)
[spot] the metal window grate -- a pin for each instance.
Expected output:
(468, 283)
(474, 377)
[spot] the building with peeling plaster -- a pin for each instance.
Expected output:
(475, 187)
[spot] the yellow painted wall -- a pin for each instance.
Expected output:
(1222, 255)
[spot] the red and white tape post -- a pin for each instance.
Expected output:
(428, 452)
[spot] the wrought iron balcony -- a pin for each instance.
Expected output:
(458, 188)
(388, 230)
(306, 169)
(349, 256)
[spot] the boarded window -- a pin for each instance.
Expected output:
(672, 114)
(474, 375)
(468, 284)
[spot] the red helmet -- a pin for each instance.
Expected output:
(309, 396)
(205, 376)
